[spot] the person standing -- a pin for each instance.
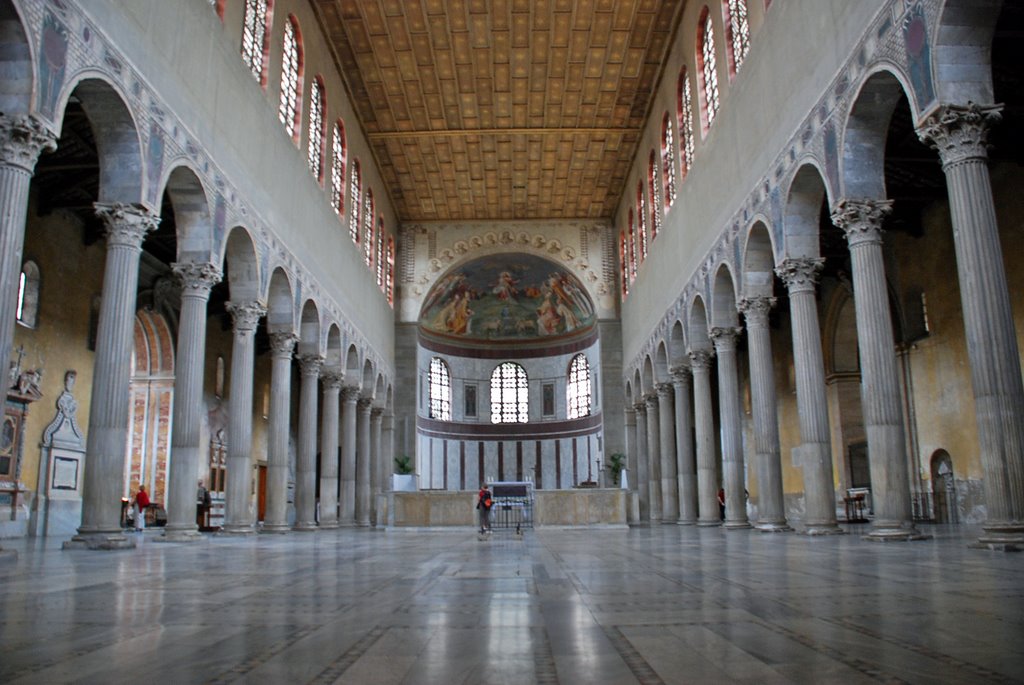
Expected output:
(484, 503)
(202, 505)
(140, 503)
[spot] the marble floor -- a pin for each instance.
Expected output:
(666, 604)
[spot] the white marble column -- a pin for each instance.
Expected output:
(654, 455)
(629, 423)
(733, 470)
(239, 517)
(686, 465)
(282, 345)
(767, 452)
(305, 456)
(959, 133)
(881, 401)
(643, 483)
(349, 397)
(329, 448)
(667, 438)
(196, 281)
(704, 422)
(800, 276)
(109, 411)
(376, 460)
(364, 462)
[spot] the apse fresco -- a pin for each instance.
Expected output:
(507, 297)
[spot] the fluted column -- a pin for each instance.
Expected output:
(704, 420)
(376, 461)
(667, 438)
(881, 402)
(329, 449)
(654, 455)
(959, 133)
(305, 457)
(800, 276)
(349, 396)
(733, 479)
(364, 462)
(196, 281)
(686, 465)
(109, 410)
(643, 483)
(767, 453)
(282, 345)
(239, 517)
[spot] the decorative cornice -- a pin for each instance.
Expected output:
(197, 278)
(800, 273)
(960, 132)
(127, 224)
(22, 139)
(246, 315)
(861, 219)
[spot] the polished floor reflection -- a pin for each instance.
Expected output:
(665, 604)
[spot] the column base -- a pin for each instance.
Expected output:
(823, 529)
(686, 522)
(180, 535)
(238, 529)
(329, 525)
(1001, 539)
(305, 527)
(895, 532)
(773, 527)
(99, 541)
(275, 528)
(737, 525)
(709, 524)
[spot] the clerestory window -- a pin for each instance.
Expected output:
(578, 396)
(291, 79)
(440, 390)
(256, 37)
(509, 396)
(317, 115)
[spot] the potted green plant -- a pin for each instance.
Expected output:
(403, 464)
(616, 462)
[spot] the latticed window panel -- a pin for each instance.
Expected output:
(288, 110)
(338, 169)
(509, 394)
(624, 263)
(632, 248)
(739, 31)
(440, 390)
(709, 69)
(654, 195)
(355, 192)
(668, 161)
(684, 106)
(368, 227)
(254, 36)
(390, 275)
(641, 219)
(379, 259)
(578, 396)
(315, 148)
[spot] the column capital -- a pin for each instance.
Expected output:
(651, 400)
(376, 413)
(364, 404)
(960, 132)
(700, 360)
(756, 309)
(197, 278)
(350, 393)
(246, 315)
(861, 219)
(665, 390)
(282, 344)
(800, 273)
(640, 408)
(127, 223)
(310, 363)
(332, 379)
(680, 375)
(724, 337)
(22, 139)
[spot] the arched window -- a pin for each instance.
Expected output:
(641, 220)
(317, 116)
(577, 390)
(440, 387)
(708, 70)
(624, 264)
(356, 193)
(256, 37)
(291, 79)
(632, 248)
(390, 275)
(510, 402)
(653, 190)
(684, 113)
(737, 32)
(27, 313)
(668, 162)
(368, 227)
(379, 259)
(338, 150)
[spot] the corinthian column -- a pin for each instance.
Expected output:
(686, 466)
(767, 453)
(376, 460)
(654, 455)
(643, 483)
(105, 449)
(329, 449)
(282, 344)
(239, 517)
(861, 221)
(732, 432)
(959, 134)
(305, 457)
(707, 476)
(800, 275)
(196, 281)
(349, 396)
(667, 437)
(363, 463)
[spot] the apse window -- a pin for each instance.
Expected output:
(578, 395)
(27, 313)
(440, 390)
(509, 396)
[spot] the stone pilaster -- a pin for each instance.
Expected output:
(707, 473)
(239, 517)
(364, 462)
(376, 461)
(686, 465)
(629, 422)
(329, 448)
(667, 438)
(733, 471)
(800, 275)
(767, 453)
(654, 455)
(959, 133)
(388, 446)
(282, 345)
(109, 410)
(196, 281)
(305, 457)
(861, 221)
(643, 483)
(349, 397)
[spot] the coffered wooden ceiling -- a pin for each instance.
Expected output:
(501, 109)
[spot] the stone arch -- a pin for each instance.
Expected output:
(191, 214)
(280, 310)
(352, 366)
(151, 392)
(945, 507)
(242, 266)
(840, 348)
(16, 62)
(802, 213)
(378, 390)
(648, 379)
(723, 298)
(333, 354)
(758, 262)
(863, 139)
(638, 391)
(629, 393)
(661, 363)
(309, 329)
(697, 325)
(389, 398)
(367, 384)
(961, 65)
(677, 346)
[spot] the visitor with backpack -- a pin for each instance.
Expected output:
(483, 504)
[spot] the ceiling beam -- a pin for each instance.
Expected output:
(459, 133)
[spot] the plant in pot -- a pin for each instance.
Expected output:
(616, 462)
(403, 465)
